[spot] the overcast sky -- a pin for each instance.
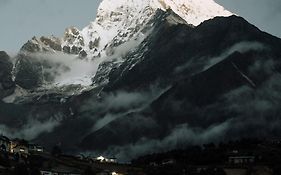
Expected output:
(20, 20)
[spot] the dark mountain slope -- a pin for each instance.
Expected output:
(180, 51)
(230, 62)
(182, 85)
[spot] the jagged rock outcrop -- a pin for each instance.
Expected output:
(7, 84)
(30, 67)
(28, 72)
(42, 44)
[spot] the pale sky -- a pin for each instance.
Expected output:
(20, 20)
(265, 14)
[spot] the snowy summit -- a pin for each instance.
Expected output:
(120, 26)
(124, 19)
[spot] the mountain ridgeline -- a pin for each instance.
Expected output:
(167, 84)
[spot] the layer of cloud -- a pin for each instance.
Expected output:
(243, 112)
(257, 109)
(62, 69)
(197, 65)
(241, 47)
(31, 130)
(118, 104)
(179, 137)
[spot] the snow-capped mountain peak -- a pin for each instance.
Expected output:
(118, 21)
(121, 26)
(195, 11)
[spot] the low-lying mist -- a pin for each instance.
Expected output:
(31, 129)
(63, 69)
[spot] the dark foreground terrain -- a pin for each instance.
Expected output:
(242, 157)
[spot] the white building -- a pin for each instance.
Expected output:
(35, 148)
(106, 160)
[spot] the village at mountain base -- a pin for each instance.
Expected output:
(241, 157)
(19, 157)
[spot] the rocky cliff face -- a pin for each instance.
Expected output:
(7, 85)
(28, 72)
